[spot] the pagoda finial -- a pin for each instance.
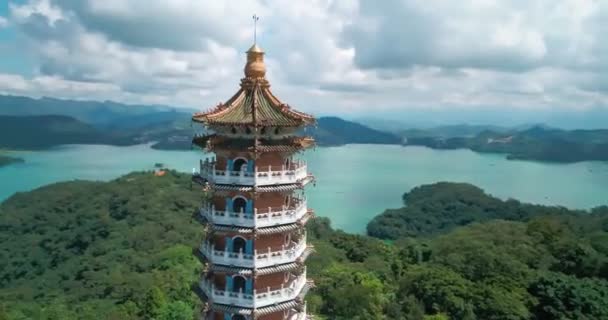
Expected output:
(255, 67)
(255, 28)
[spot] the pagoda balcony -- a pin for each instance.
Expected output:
(257, 299)
(260, 176)
(259, 259)
(260, 218)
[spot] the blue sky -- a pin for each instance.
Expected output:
(432, 58)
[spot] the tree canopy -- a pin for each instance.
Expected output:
(123, 250)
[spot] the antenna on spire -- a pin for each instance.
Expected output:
(255, 26)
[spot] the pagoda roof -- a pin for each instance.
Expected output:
(254, 104)
(289, 144)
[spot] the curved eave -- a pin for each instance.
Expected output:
(261, 272)
(239, 110)
(293, 304)
(216, 142)
(300, 184)
(264, 231)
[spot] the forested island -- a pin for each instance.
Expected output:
(7, 160)
(123, 250)
(536, 143)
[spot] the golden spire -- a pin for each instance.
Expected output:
(255, 67)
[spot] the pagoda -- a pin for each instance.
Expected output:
(254, 210)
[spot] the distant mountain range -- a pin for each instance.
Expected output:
(27, 123)
(99, 114)
(451, 131)
(337, 131)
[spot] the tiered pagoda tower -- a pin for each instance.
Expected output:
(255, 213)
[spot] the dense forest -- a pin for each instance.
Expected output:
(441, 207)
(536, 143)
(122, 250)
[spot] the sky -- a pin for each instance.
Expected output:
(347, 57)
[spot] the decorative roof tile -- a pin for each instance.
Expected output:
(235, 187)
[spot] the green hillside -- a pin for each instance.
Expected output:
(94, 250)
(336, 131)
(38, 132)
(441, 207)
(122, 250)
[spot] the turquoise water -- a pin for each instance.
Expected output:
(354, 182)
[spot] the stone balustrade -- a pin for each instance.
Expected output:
(257, 299)
(258, 259)
(261, 217)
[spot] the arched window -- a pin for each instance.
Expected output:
(239, 164)
(238, 317)
(238, 284)
(248, 130)
(238, 244)
(263, 131)
(239, 204)
(276, 131)
(233, 130)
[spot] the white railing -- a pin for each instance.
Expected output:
(259, 259)
(260, 176)
(257, 299)
(261, 217)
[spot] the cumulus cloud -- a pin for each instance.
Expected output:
(503, 35)
(329, 56)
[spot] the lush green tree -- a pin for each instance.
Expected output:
(99, 247)
(351, 294)
(565, 297)
(439, 289)
(154, 304)
(176, 310)
(441, 207)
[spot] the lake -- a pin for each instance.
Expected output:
(354, 182)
